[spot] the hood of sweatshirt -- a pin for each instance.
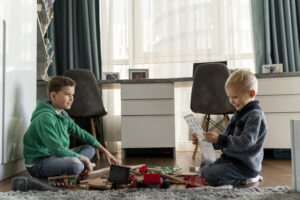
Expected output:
(42, 107)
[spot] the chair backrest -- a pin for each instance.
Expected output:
(87, 99)
(208, 92)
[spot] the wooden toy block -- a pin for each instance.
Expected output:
(173, 179)
(100, 183)
(182, 174)
(133, 167)
(139, 179)
(177, 186)
(84, 186)
(96, 174)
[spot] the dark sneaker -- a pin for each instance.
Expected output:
(26, 183)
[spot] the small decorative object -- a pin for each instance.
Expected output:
(138, 74)
(272, 68)
(110, 76)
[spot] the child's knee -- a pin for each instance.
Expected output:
(210, 176)
(76, 166)
(206, 172)
(93, 151)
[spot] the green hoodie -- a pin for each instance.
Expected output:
(47, 135)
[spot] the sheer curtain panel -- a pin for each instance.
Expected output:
(167, 37)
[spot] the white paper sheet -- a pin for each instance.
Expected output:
(206, 148)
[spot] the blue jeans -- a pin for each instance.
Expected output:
(55, 166)
(222, 172)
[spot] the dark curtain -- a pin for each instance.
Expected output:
(75, 31)
(276, 28)
(76, 34)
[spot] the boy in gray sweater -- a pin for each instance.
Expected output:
(242, 142)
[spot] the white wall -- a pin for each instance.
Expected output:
(17, 80)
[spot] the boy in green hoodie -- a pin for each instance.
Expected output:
(46, 142)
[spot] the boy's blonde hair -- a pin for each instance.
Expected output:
(242, 79)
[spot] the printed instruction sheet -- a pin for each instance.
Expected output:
(206, 148)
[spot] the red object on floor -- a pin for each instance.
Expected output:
(143, 169)
(152, 178)
(131, 177)
(202, 180)
(195, 180)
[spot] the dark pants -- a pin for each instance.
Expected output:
(222, 172)
(55, 166)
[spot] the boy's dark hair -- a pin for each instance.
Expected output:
(58, 82)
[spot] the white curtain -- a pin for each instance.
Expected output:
(167, 37)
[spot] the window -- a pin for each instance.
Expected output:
(167, 37)
(144, 33)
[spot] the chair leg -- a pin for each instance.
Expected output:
(99, 130)
(196, 145)
(226, 120)
(195, 151)
(206, 126)
(94, 134)
(204, 121)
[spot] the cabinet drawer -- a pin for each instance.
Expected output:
(278, 135)
(148, 131)
(148, 107)
(273, 86)
(282, 103)
(147, 91)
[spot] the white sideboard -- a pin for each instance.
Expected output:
(280, 100)
(147, 116)
(278, 93)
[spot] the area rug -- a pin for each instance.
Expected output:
(261, 193)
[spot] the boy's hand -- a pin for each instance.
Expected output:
(108, 155)
(87, 165)
(110, 158)
(194, 138)
(211, 137)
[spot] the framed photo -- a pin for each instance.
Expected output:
(272, 68)
(110, 76)
(138, 74)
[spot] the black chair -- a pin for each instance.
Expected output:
(87, 101)
(209, 96)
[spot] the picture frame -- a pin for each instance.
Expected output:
(111, 76)
(138, 74)
(272, 68)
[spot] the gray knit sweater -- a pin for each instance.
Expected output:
(243, 140)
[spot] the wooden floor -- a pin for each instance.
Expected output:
(275, 172)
